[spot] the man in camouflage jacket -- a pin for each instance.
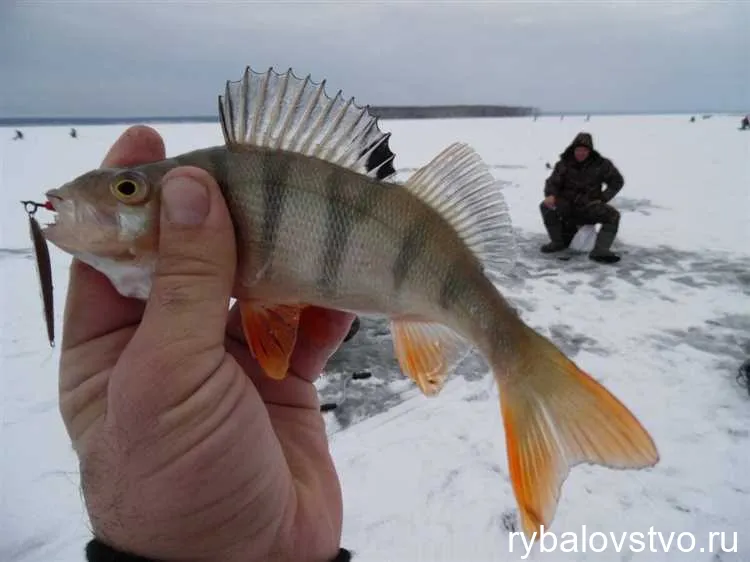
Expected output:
(574, 197)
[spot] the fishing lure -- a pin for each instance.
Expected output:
(43, 266)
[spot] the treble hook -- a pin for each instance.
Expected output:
(32, 206)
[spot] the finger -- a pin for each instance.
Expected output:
(321, 332)
(137, 145)
(183, 326)
(90, 292)
(234, 325)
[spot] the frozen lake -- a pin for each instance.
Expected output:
(426, 479)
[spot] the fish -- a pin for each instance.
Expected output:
(320, 219)
(43, 268)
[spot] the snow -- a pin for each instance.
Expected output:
(426, 479)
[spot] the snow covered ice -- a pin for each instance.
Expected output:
(426, 479)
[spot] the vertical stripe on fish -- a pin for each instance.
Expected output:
(338, 227)
(451, 287)
(412, 245)
(348, 206)
(275, 173)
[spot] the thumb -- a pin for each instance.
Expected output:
(187, 309)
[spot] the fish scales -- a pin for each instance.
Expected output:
(318, 233)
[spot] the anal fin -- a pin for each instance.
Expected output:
(427, 352)
(271, 333)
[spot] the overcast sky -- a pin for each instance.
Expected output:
(159, 57)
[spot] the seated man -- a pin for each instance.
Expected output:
(574, 197)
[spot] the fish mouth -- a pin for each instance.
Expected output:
(53, 204)
(75, 225)
(53, 200)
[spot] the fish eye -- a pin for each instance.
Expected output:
(126, 188)
(130, 189)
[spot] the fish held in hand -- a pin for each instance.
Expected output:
(320, 220)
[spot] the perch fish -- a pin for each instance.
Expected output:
(318, 222)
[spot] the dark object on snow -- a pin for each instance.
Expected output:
(548, 165)
(579, 199)
(19, 135)
(743, 375)
(361, 375)
(74, 133)
(353, 329)
(692, 119)
(745, 123)
(357, 376)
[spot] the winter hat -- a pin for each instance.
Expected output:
(583, 139)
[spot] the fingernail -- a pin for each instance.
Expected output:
(185, 201)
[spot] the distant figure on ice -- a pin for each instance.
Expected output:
(19, 135)
(574, 197)
(745, 124)
(73, 133)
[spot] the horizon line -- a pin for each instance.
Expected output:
(121, 119)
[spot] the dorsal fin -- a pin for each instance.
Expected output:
(286, 112)
(459, 186)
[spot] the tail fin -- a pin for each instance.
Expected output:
(556, 416)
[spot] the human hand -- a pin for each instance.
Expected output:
(550, 201)
(187, 451)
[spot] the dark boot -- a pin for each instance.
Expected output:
(601, 252)
(554, 226)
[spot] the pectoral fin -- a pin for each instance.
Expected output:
(271, 332)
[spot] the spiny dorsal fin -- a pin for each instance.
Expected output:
(459, 186)
(286, 112)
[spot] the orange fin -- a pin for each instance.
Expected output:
(556, 416)
(271, 332)
(427, 352)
